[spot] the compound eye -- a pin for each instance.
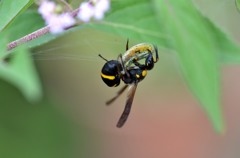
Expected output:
(111, 81)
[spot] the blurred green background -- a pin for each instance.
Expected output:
(72, 121)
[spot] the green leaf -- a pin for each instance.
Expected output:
(237, 4)
(134, 19)
(223, 20)
(9, 9)
(36, 130)
(122, 20)
(20, 71)
(195, 46)
(21, 27)
(228, 50)
(4, 40)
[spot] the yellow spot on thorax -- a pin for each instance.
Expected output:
(108, 77)
(144, 73)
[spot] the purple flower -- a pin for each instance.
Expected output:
(86, 11)
(56, 22)
(94, 9)
(46, 8)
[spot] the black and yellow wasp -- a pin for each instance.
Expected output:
(128, 68)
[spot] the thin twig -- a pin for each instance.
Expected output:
(35, 34)
(28, 37)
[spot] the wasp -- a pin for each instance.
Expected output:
(131, 68)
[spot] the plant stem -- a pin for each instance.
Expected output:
(28, 37)
(35, 34)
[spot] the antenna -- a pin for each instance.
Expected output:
(102, 57)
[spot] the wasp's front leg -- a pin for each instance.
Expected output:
(149, 62)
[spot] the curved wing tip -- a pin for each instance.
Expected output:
(119, 125)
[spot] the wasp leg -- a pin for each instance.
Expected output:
(117, 95)
(149, 62)
(127, 44)
(156, 50)
(123, 67)
(128, 105)
(136, 63)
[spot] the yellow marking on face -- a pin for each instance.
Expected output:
(108, 77)
(137, 76)
(144, 73)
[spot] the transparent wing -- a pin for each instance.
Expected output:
(127, 109)
(117, 95)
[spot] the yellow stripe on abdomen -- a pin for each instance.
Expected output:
(108, 77)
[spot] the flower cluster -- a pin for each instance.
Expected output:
(58, 21)
(94, 9)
